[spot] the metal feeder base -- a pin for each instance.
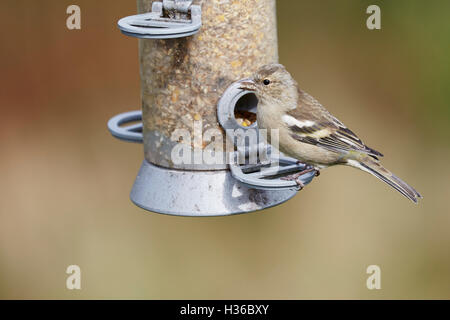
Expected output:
(199, 193)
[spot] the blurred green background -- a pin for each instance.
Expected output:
(65, 181)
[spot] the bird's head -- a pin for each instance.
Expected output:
(273, 85)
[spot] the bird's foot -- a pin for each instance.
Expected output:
(296, 177)
(308, 169)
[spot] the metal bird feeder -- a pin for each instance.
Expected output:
(191, 54)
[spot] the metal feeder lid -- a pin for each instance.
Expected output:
(153, 25)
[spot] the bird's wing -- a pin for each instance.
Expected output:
(311, 123)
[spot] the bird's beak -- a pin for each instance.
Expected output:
(247, 84)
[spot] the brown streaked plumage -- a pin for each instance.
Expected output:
(308, 132)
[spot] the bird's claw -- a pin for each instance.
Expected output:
(297, 180)
(308, 169)
(296, 176)
(299, 184)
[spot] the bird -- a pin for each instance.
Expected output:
(309, 133)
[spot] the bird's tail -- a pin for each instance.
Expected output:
(373, 167)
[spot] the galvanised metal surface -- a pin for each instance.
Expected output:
(199, 193)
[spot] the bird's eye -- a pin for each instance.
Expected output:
(266, 82)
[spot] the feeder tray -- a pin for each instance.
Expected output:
(190, 193)
(244, 188)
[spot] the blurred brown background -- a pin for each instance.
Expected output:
(65, 181)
